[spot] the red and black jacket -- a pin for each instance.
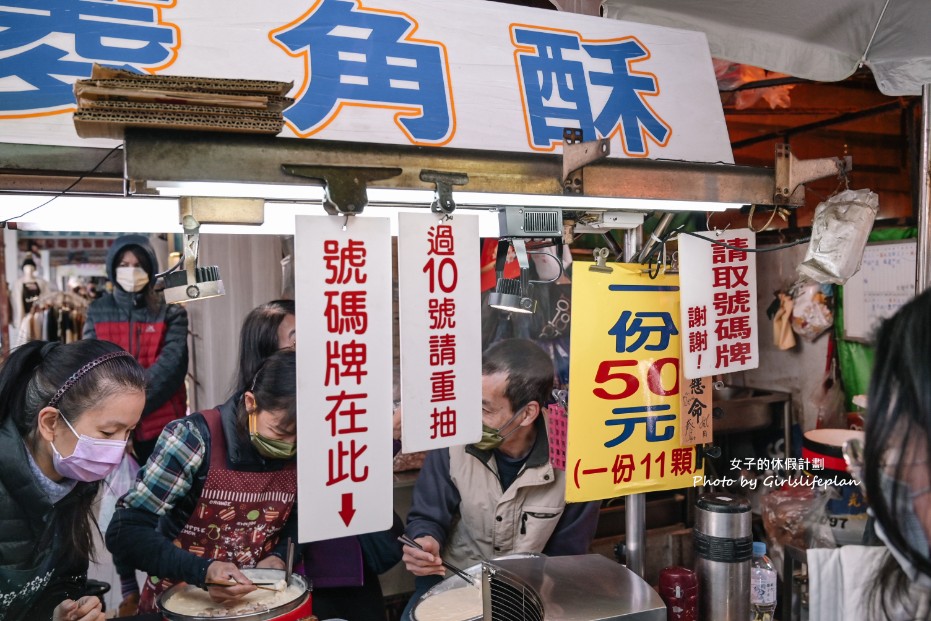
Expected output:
(157, 338)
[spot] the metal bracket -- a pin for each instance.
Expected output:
(601, 255)
(791, 173)
(444, 181)
(191, 247)
(222, 210)
(576, 155)
(345, 185)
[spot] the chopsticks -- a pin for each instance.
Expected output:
(267, 586)
(459, 572)
(289, 562)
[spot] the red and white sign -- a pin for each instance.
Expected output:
(440, 325)
(718, 303)
(343, 299)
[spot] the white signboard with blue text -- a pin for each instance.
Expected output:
(464, 74)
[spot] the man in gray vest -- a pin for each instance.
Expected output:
(501, 495)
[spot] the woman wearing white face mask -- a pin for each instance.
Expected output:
(897, 461)
(66, 412)
(136, 317)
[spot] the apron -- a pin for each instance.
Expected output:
(238, 516)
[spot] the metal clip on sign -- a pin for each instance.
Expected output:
(601, 255)
(443, 196)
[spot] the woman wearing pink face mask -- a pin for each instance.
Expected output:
(66, 412)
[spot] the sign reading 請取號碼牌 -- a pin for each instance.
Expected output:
(466, 74)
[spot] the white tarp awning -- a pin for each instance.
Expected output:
(823, 40)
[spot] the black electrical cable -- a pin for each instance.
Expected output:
(767, 249)
(650, 258)
(83, 176)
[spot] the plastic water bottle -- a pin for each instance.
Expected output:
(762, 584)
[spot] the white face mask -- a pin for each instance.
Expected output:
(913, 573)
(132, 279)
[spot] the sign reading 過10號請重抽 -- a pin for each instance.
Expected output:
(440, 328)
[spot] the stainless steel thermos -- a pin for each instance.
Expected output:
(723, 549)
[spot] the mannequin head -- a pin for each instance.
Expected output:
(29, 269)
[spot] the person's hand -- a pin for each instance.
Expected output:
(426, 562)
(219, 572)
(87, 608)
(271, 562)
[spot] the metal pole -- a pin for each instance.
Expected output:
(635, 539)
(923, 273)
(657, 233)
(4, 302)
(635, 505)
(632, 243)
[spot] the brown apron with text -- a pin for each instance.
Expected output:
(238, 516)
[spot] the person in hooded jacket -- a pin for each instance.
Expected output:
(136, 317)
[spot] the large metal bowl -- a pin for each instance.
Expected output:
(256, 575)
(456, 582)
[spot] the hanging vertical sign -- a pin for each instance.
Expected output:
(695, 421)
(440, 320)
(718, 311)
(624, 386)
(343, 276)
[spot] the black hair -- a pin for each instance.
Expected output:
(258, 339)
(29, 378)
(899, 420)
(141, 254)
(28, 261)
(274, 388)
(528, 367)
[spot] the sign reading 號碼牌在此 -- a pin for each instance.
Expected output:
(344, 388)
(466, 74)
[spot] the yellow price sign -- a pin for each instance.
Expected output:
(625, 386)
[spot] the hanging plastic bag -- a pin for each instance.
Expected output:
(783, 337)
(115, 485)
(811, 309)
(795, 516)
(828, 397)
(839, 231)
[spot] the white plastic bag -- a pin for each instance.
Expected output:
(839, 231)
(811, 309)
(115, 485)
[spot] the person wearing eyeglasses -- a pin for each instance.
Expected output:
(66, 413)
(218, 493)
(896, 461)
(500, 495)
